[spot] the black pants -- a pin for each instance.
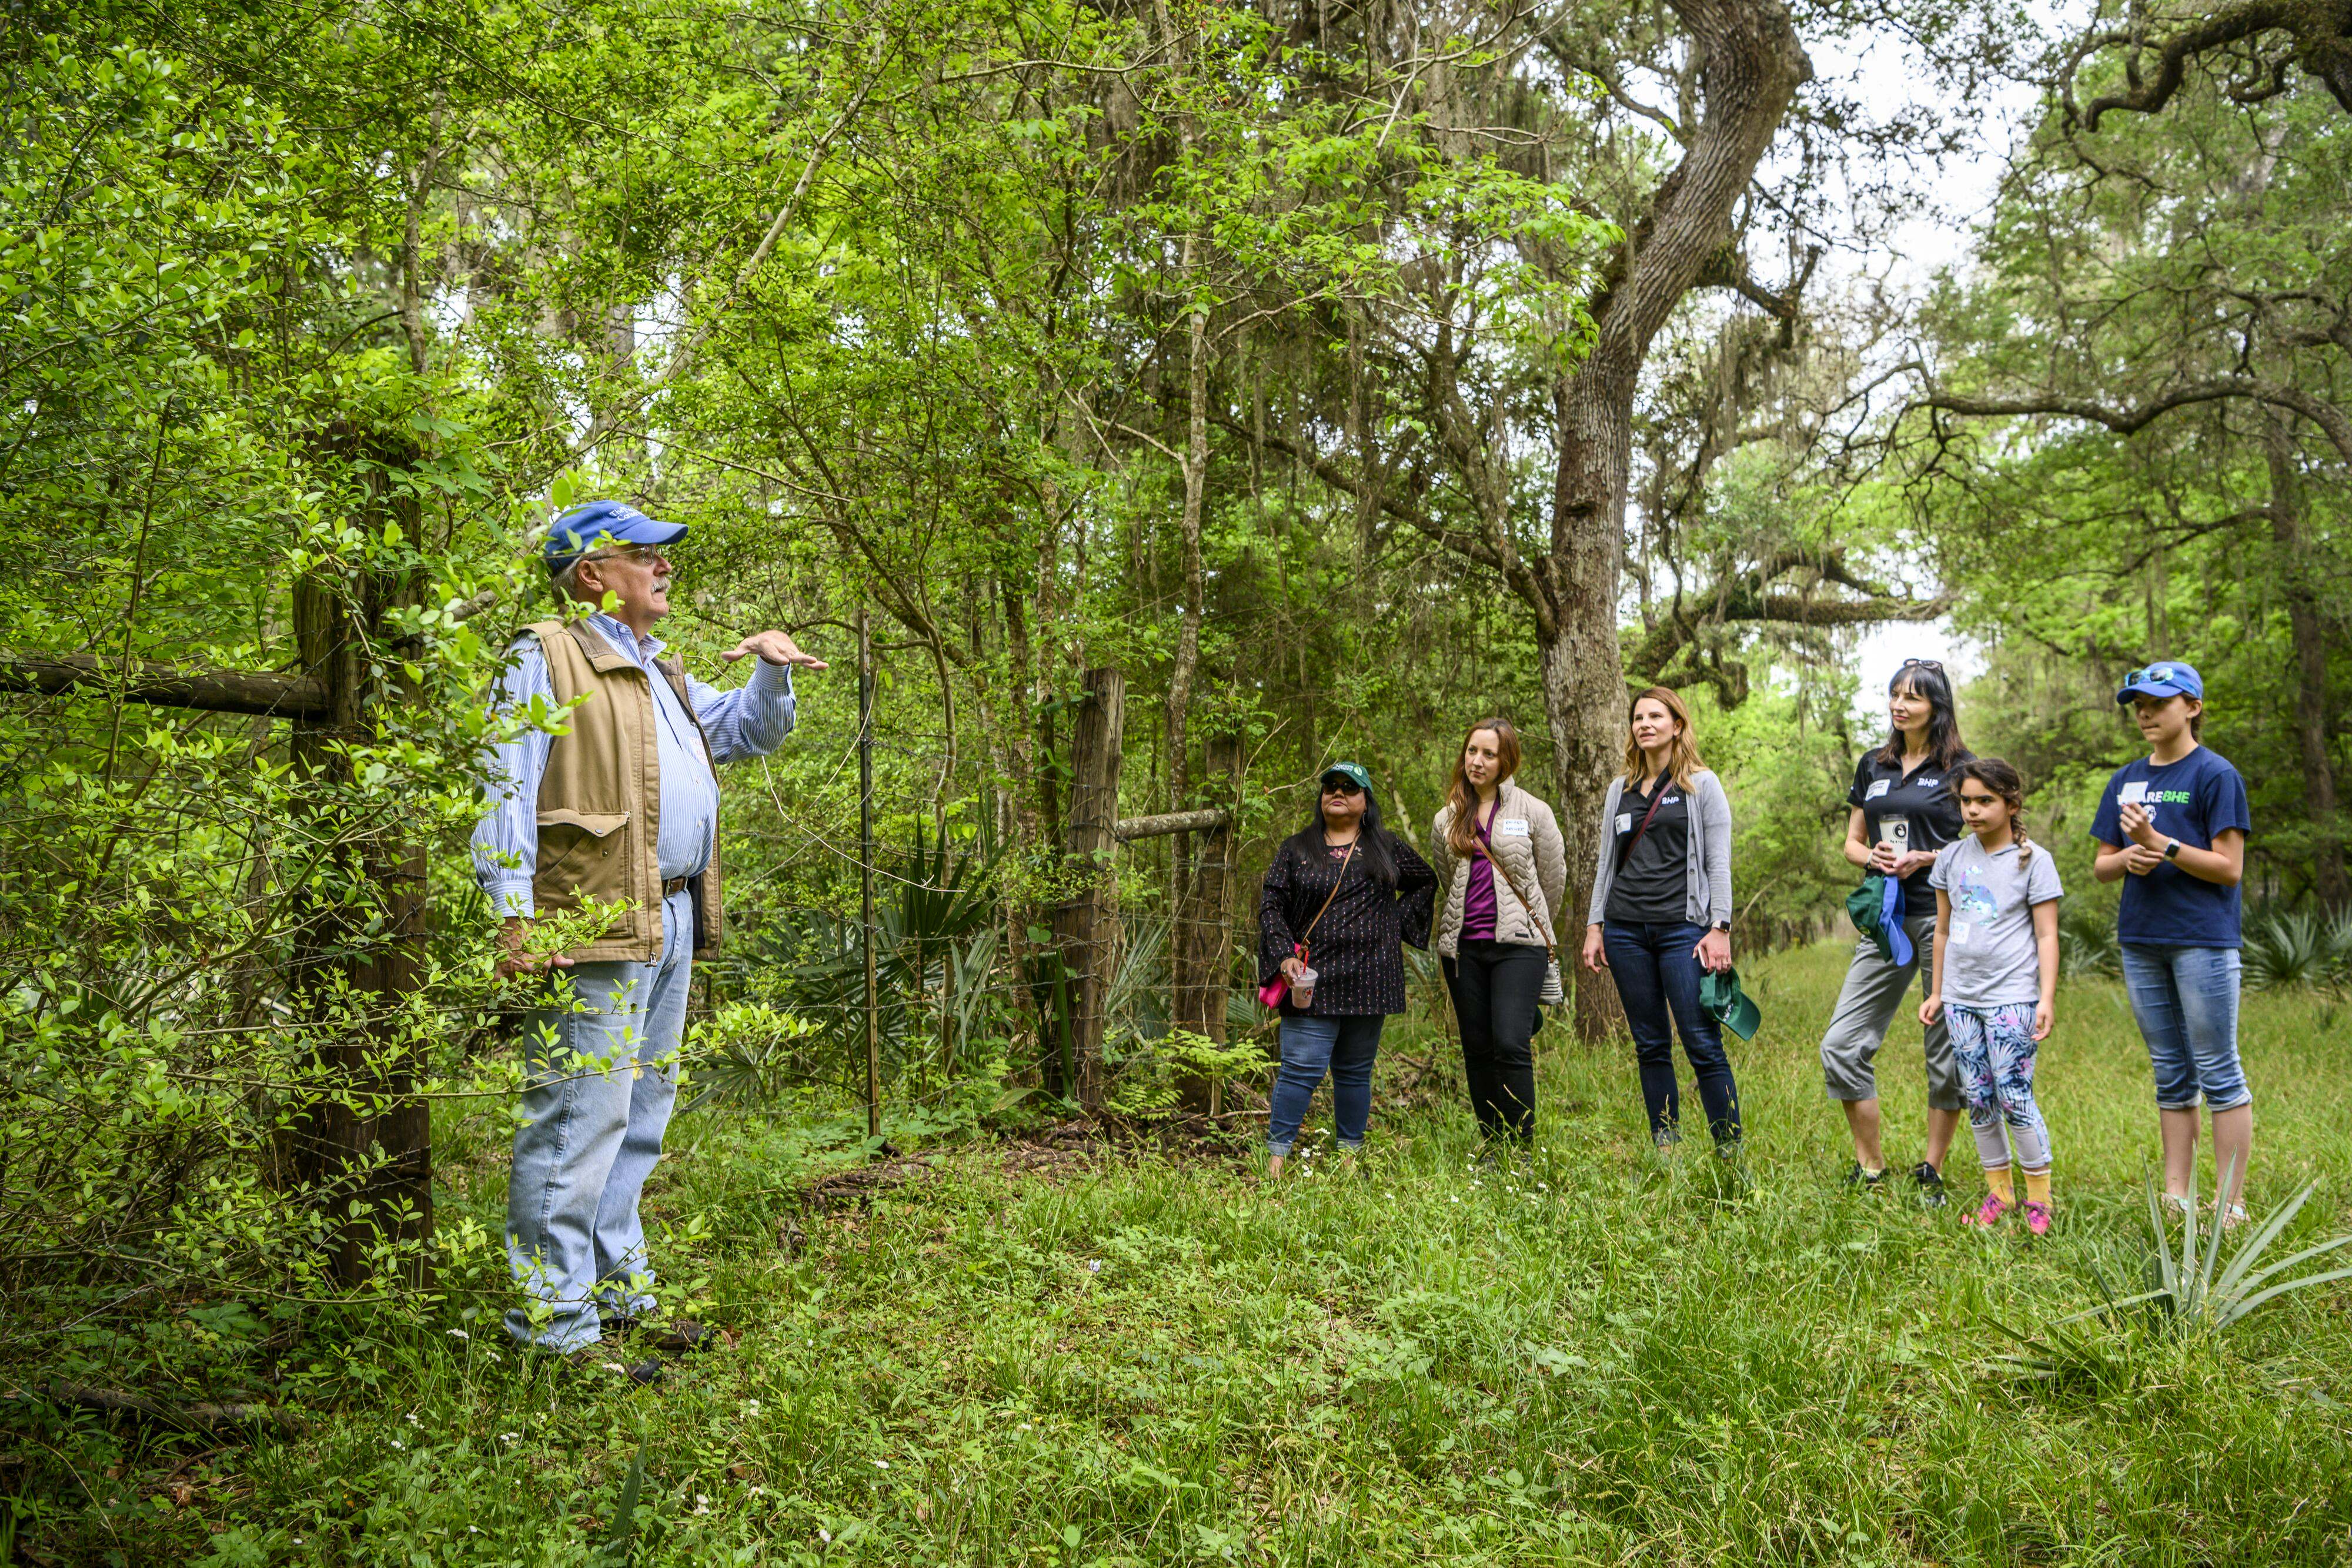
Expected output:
(1494, 986)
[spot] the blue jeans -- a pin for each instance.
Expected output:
(1657, 978)
(1344, 1047)
(2186, 1003)
(603, 1081)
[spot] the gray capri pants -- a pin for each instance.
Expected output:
(1873, 989)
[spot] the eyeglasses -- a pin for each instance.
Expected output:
(647, 553)
(1923, 664)
(1341, 787)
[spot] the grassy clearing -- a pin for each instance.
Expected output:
(1606, 1357)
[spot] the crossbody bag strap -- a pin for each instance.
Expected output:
(1656, 800)
(1328, 897)
(1534, 906)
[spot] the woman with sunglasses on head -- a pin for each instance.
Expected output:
(1902, 813)
(1348, 893)
(1497, 852)
(1661, 913)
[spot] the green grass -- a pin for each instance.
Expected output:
(1609, 1357)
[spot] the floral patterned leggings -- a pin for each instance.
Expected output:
(1995, 1049)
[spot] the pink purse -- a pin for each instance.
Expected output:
(1274, 990)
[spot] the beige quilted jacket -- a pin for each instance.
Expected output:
(1528, 853)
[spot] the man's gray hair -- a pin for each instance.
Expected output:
(566, 582)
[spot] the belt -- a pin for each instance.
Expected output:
(677, 884)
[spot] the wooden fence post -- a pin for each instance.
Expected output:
(363, 1108)
(1204, 919)
(1085, 922)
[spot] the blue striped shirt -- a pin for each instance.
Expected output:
(751, 721)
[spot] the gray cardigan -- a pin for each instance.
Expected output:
(1708, 877)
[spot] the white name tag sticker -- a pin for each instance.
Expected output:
(2133, 793)
(1625, 821)
(1512, 827)
(1877, 788)
(1961, 933)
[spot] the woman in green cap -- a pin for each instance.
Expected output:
(1342, 894)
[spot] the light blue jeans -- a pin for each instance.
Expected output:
(2186, 1003)
(603, 1081)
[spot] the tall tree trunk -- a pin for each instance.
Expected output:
(1753, 65)
(2309, 631)
(1188, 629)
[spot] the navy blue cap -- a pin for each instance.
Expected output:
(2166, 678)
(583, 529)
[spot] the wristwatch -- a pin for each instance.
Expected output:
(1723, 926)
(2172, 848)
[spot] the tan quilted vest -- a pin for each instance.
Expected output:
(600, 798)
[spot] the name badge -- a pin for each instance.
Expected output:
(1625, 821)
(1512, 828)
(2133, 794)
(1961, 932)
(1877, 788)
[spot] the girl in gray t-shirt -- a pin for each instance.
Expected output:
(1996, 980)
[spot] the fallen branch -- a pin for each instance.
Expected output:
(206, 1418)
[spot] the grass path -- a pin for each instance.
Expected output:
(1606, 1357)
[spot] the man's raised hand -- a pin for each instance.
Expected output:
(775, 648)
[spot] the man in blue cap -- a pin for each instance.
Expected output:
(619, 812)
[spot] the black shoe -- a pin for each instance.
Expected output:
(599, 1360)
(1931, 1186)
(1865, 1181)
(681, 1338)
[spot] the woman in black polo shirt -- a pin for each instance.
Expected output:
(1351, 892)
(1902, 813)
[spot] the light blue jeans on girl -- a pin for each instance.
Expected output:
(2185, 1001)
(603, 1081)
(1995, 1048)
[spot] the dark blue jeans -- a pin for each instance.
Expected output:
(1657, 979)
(1345, 1047)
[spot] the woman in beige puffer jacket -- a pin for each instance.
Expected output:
(1495, 847)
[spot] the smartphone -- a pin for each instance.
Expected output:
(1897, 832)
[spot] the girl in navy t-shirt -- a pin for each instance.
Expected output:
(2172, 828)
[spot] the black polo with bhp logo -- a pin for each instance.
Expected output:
(1923, 799)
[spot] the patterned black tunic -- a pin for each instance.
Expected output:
(1354, 949)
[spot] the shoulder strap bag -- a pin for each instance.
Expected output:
(1553, 993)
(1271, 992)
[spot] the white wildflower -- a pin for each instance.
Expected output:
(459, 1333)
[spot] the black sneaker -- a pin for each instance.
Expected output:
(599, 1360)
(1862, 1180)
(1931, 1186)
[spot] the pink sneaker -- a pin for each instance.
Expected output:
(1992, 1210)
(2037, 1217)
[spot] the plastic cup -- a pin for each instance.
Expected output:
(1302, 988)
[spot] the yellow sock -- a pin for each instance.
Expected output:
(1997, 1180)
(2037, 1187)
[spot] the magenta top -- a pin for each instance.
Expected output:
(1479, 898)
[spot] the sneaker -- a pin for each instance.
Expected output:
(1665, 1137)
(2037, 1217)
(1931, 1185)
(1865, 1181)
(1991, 1211)
(678, 1337)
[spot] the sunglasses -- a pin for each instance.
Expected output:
(1924, 665)
(1342, 787)
(2163, 672)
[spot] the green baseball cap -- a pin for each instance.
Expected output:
(1720, 995)
(1354, 772)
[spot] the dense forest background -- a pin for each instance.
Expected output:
(1341, 373)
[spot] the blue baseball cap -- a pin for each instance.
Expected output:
(2166, 678)
(583, 529)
